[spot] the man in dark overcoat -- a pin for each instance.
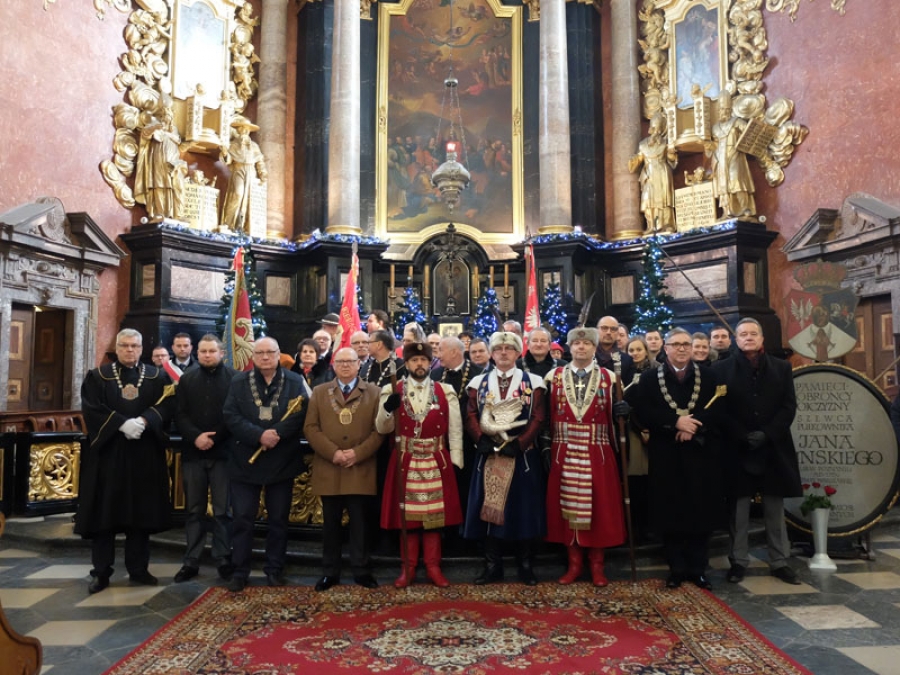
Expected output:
(340, 428)
(265, 409)
(759, 454)
(124, 481)
(675, 401)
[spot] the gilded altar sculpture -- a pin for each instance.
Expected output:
(657, 158)
(248, 168)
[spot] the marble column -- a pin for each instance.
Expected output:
(344, 133)
(626, 121)
(554, 143)
(271, 109)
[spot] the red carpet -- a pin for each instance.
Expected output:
(640, 629)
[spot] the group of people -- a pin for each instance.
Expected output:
(499, 441)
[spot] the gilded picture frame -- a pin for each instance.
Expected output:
(698, 49)
(201, 33)
(415, 51)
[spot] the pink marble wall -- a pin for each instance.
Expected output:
(843, 74)
(56, 98)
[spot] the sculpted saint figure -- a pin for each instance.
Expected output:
(247, 165)
(732, 182)
(657, 187)
(159, 180)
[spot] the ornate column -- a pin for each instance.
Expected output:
(344, 134)
(626, 120)
(271, 111)
(555, 167)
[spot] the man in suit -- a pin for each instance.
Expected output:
(759, 408)
(183, 348)
(265, 408)
(340, 428)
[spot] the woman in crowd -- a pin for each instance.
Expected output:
(638, 463)
(701, 354)
(308, 364)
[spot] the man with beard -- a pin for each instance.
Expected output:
(674, 400)
(608, 354)
(457, 371)
(505, 413)
(420, 492)
(265, 408)
(201, 395)
(584, 499)
(537, 359)
(124, 483)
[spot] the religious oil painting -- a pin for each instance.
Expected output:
(422, 43)
(698, 52)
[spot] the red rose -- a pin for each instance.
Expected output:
(829, 490)
(806, 486)
(817, 485)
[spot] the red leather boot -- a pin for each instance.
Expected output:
(408, 571)
(576, 565)
(595, 555)
(431, 554)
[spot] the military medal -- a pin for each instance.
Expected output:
(345, 416)
(265, 413)
(130, 392)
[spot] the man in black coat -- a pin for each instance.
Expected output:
(675, 400)
(201, 422)
(758, 410)
(265, 410)
(608, 354)
(124, 482)
(537, 357)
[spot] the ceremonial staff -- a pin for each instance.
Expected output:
(294, 405)
(622, 421)
(401, 483)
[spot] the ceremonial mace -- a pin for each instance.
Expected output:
(401, 484)
(294, 406)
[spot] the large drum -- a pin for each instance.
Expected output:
(844, 440)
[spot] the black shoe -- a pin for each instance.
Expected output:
(327, 582)
(787, 575)
(700, 581)
(186, 574)
(237, 584)
(144, 578)
(275, 579)
(674, 581)
(364, 580)
(226, 570)
(736, 574)
(98, 584)
(526, 575)
(489, 575)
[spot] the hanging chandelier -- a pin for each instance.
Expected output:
(451, 177)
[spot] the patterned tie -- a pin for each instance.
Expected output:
(346, 390)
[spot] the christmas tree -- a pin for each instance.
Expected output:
(552, 312)
(651, 309)
(486, 314)
(409, 310)
(257, 313)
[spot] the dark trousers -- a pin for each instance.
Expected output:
(245, 506)
(358, 507)
(687, 553)
(103, 553)
(206, 481)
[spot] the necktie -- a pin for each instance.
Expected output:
(346, 390)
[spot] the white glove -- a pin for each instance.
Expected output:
(133, 428)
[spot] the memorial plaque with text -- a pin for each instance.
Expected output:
(695, 206)
(844, 439)
(201, 206)
(258, 198)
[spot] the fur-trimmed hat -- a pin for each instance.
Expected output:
(501, 338)
(582, 333)
(416, 349)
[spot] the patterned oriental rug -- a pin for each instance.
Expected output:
(632, 629)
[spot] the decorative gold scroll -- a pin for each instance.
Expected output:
(53, 471)
(791, 6)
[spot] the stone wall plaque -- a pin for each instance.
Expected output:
(844, 439)
(278, 291)
(258, 197)
(201, 206)
(695, 206)
(190, 283)
(622, 290)
(148, 280)
(712, 280)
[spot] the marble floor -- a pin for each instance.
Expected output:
(841, 623)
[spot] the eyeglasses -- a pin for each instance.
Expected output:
(267, 353)
(679, 345)
(128, 345)
(343, 362)
(358, 343)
